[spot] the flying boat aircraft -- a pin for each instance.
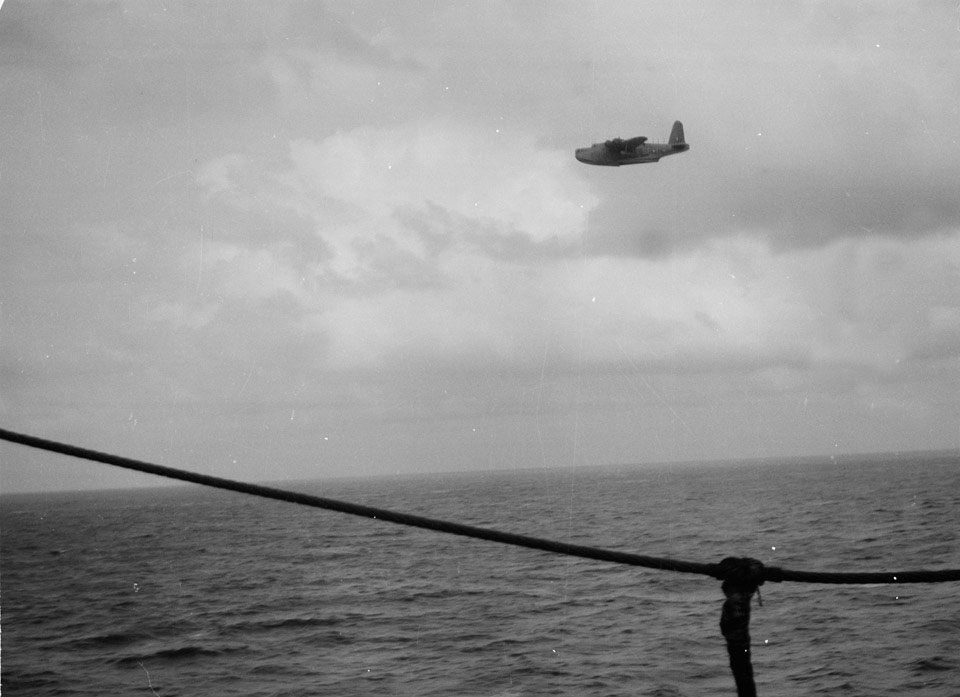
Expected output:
(633, 151)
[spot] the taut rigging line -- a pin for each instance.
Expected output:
(741, 576)
(768, 573)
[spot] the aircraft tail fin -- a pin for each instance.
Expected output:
(676, 135)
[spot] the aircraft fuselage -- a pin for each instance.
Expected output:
(599, 154)
(616, 152)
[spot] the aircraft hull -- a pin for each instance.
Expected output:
(636, 151)
(599, 155)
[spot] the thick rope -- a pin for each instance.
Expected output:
(742, 578)
(718, 571)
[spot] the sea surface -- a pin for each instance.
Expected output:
(191, 591)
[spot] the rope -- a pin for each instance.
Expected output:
(742, 578)
(719, 571)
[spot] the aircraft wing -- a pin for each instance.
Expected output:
(615, 145)
(619, 145)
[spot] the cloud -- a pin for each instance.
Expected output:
(413, 223)
(380, 200)
(806, 126)
(239, 226)
(439, 257)
(481, 175)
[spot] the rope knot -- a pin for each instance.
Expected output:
(742, 573)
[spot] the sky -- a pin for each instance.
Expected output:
(298, 240)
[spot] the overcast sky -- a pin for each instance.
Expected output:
(297, 240)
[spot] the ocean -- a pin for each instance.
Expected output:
(190, 591)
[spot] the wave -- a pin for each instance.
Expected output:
(176, 653)
(266, 605)
(294, 623)
(933, 664)
(110, 639)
